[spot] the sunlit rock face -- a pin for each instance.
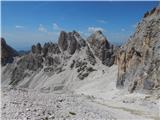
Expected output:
(139, 60)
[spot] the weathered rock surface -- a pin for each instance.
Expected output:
(24, 65)
(7, 53)
(71, 41)
(62, 41)
(90, 56)
(52, 59)
(102, 48)
(34, 61)
(139, 59)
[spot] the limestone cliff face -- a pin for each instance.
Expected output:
(139, 60)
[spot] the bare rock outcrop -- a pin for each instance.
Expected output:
(37, 49)
(39, 58)
(27, 63)
(70, 41)
(139, 60)
(7, 53)
(50, 48)
(102, 48)
(72, 51)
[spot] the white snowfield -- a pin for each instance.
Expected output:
(64, 97)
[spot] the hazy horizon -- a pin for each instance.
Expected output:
(27, 23)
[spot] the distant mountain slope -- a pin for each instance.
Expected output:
(23, 52)
(7, 53)
(59, 65)
(139, 59)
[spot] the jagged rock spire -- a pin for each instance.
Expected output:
(70, 41)
(7, 53)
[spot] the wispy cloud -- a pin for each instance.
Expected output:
(56, 26)
(53, 32)
(19, 26)
(41, 28)
(93, 29)
(80, 32)
(123, 29)
(102, 21)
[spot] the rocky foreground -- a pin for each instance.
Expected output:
(21, 104)
(24, 104)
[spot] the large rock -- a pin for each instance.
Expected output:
(62, 41)
(39, 58)
(30, 62)
(50, 48)
(7, 53)
(70, 41)
(90, 56)
(139, 60)
(102, 48)
(36, 49)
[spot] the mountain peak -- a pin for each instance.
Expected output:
(7, 53)
(155, 11)
(98, 39)
(3, 42)
(98, 32)
(70, 41)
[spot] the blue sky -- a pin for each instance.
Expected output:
(26, 23)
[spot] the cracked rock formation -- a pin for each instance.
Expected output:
(70, 41)
(71, 52)
(102, 48)
(7, 53)
(139, 60)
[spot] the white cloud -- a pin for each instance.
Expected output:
(56, 26)
(123, 30)
(41, 28)
(19, 26)
(80, 32)
(102, 21)
(93, 29)
(54, 32)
